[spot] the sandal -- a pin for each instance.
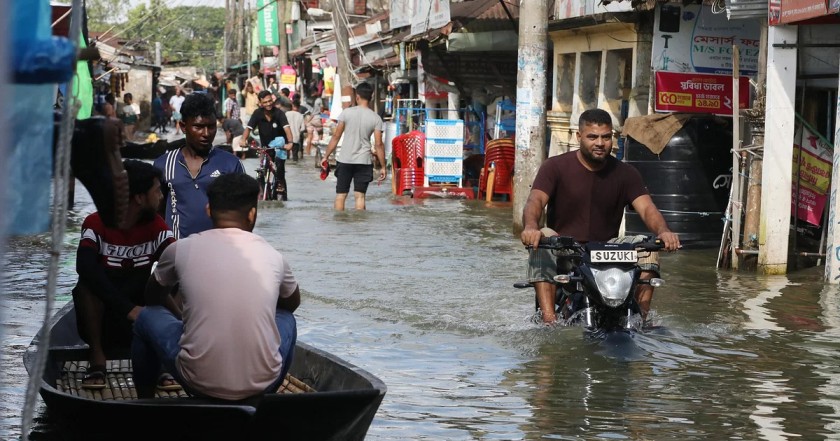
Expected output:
(94, 379)
(167, 383)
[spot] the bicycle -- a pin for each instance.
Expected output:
(266, 173)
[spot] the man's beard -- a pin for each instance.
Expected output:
(592, 158)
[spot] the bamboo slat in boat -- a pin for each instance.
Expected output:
(120, 383)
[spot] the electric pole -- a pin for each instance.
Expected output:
(342, 52)
(283, 14)
(228, 25)
(240, 34)
(530, 102)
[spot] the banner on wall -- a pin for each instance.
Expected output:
(690, 38)
(812, 158)
(790, 11)
(698, 93)
(581, 8)
(400, 13)
(428, 14)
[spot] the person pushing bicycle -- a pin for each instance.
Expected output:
(271, 123)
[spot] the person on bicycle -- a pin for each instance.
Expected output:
(271, 123)
(586, 192)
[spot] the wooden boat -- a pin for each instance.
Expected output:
(145, 150)
(323, 398)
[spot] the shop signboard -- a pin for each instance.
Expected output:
(267, 28)
(288, 77)
(791, 11)
(813, 156)
(698, 93)
(690, 38)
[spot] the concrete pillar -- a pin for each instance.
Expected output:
(530, 101)
(640, 92)
(453, 102)
(832, 248)
(561, 132)
(774, 228)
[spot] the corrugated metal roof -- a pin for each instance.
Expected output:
(497, 11)
(746, 9)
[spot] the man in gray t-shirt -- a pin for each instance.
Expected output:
(355, 162)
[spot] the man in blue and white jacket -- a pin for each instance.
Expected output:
(189, 170)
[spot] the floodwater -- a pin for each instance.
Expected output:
(419, 292)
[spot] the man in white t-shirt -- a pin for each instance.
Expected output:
(175, 101)
(297, 126)
(237, 334)
(354, 162)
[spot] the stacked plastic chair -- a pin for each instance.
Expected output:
(500, 156)
(407, 163)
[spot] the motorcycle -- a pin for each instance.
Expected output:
(598, 291)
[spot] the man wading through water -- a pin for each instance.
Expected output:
(355, 162)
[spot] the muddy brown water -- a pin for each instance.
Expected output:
(420, 294)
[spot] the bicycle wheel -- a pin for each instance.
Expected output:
(271, 185)
(261, 181)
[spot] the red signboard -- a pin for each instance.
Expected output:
(698, 93)
(791, 11)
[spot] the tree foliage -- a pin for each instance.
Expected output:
(191, 35)
(102, 14)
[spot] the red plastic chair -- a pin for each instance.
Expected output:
(407, 162)
(501, 155)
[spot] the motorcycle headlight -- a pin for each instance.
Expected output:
(613, 284)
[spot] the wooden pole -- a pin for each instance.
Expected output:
(756, 115)
(342, 51)
(736, 156)
(751, 218)
(491, 183)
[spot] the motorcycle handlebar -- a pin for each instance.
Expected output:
(566, 242)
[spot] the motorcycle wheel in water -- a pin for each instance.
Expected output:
(597, 282)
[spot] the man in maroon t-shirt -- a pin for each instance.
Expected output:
(114, 265)
(586, 192)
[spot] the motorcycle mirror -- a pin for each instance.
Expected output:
(562, 278)
(656, 283)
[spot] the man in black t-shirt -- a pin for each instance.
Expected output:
(586, 192)
(271, 122)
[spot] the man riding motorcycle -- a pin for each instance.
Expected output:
(586, 191)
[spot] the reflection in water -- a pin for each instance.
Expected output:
(759, 316)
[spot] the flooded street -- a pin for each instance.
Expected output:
(419, 292)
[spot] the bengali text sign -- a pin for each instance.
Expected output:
(812, 158)
(698, 93)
